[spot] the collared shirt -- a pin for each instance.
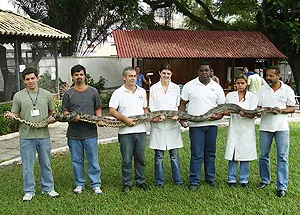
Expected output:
(281, 98)
(241, 139)
(201, 98)
(165, 135)
(129, 104)
(160, 100)
(139, 80)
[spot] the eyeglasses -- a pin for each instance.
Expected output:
(203, 70)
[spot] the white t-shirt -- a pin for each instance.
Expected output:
(281, 98)
(201, 98)
(255, 82)
(129, 104)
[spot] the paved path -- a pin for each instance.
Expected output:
(10, 150)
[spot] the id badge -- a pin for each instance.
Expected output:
(35, 112)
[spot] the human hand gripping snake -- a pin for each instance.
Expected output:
(107, 122)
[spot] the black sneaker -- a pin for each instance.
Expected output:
(213, 183)
(262, 185)
(281, 193)
(126, 188)
(159, 186)
(193, 187)
(231, 184)
(244, 185)
(180, 186)
(143, 186)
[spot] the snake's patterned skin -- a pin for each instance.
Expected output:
(229, 108)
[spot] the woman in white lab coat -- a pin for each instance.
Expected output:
(241, 140)
(165, 133)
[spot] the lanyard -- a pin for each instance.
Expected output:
(36, 98)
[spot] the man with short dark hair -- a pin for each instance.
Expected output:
(274, 124)
(201, 94)
(247, 72)
(34, 104)
(130, 100)
(83, 136)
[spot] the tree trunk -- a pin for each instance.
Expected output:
(294, 62)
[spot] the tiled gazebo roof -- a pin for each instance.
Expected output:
(13, 25)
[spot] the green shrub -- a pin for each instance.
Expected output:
(7, 125)
(46, 83)
(104, 98)
(57, 105)
(98, 85)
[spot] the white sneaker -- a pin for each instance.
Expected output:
(78, 189)
(52, 193)
(28, 196)
(97, 190)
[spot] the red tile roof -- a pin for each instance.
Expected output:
(193, 44)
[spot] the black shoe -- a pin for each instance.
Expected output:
(159, 186)
(180, 186)
(262, 185)
(231, 184)
(193, 187)
(126, 188)
(213, 183)
(143, 186)
(281, 193)
(244, 185)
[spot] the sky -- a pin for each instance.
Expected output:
(7, 5)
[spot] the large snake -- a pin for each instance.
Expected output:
(107, 122)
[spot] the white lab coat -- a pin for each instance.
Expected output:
(241, 140)
(165, 135)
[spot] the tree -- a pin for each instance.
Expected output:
(282, 26)
(279, 20)
(89, 22)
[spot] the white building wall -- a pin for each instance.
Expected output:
(108, 67)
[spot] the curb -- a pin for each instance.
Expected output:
(64, 149)
(17, 134)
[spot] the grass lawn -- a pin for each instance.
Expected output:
(169, 200)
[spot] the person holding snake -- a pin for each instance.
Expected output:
(241, 146)
(34, 104)
(165, 133)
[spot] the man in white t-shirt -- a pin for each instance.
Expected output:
(274, 124)
(255, 82)
(130, 100)
(202, 94)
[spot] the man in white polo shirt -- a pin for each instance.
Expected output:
(280, 97)
(201, 94)
(130, 100)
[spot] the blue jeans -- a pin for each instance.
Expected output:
(203, 149)
(28, 149)
(133, 145)
(175, 166)
(282, 139)
(244, 171)
(77, 148)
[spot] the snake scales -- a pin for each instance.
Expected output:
(230, 108)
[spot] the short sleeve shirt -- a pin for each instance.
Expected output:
(201, 98)
(139, 80)
(22, 105)
(281, 98)
(87, 102)
(129, 104)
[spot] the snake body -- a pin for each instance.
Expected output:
(229, 108)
